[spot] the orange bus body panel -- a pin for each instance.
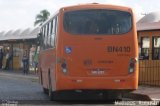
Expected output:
(47, 63)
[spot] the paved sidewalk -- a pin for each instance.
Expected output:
(18, 74)
(152, 92)
(145, 93)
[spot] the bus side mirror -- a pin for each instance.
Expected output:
(39, 39)
(40, 34)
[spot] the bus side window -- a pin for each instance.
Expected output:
(53, 33)
(43, 37)
(48, 36)
(145, 45)
(56, 25)
(156, 48)
(48, 40)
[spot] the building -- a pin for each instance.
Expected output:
(148, 30)
(18, 42)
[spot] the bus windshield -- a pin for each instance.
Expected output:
(97, 21)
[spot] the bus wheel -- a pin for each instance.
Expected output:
(50, 93)
(45, 90)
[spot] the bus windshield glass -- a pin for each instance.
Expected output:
(97, 22)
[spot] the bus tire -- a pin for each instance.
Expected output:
(50, 93)
(45, 90)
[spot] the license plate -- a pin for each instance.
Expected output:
(97, 72)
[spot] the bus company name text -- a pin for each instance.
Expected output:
(119, 49)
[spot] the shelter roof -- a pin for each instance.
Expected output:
(29, 33)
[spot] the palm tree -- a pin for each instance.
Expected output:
(41, 17)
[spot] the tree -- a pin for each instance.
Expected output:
(41, 17)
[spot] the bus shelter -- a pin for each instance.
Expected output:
(17, 43)
(149, 49)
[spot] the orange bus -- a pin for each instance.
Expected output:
(89, 50)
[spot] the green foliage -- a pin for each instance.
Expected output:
(41, 17)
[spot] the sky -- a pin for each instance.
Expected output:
(15, 14)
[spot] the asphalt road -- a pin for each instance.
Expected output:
(13, 88)
(18, 89)
(21, 89)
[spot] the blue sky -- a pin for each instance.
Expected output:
(15, 14)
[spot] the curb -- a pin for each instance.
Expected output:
(137, 97)
(19, 76)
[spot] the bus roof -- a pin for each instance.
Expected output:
(96, 5)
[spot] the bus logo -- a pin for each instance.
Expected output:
(68, 50)
(87, 62)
